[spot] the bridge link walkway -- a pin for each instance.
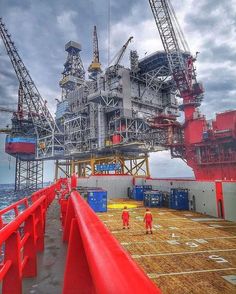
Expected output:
(51, 262)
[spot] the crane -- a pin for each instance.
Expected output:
(95, 66)
(48, 135)
(117, 58)
(182, 69)
(208, 148)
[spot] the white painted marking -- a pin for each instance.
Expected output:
(173, 242)
(161, 241)
(191, 244)
(157, 226)
(230, 278)
(173, 228)
(186, 252)
(154, 276)
(202, 241)
(216, 226)
(174, 236)
(218, 259)
(188, 214)
(176, 218)
(206, 219)
(161, 213)
(187, 229)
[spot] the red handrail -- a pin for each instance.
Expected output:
(96, 262)
(20, 250)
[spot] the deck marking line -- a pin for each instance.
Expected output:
(162, 241)
(154, 276)
(206, 219)
(184, 252)
(167, 229)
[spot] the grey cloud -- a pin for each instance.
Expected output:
(220, 52)
(40, 40)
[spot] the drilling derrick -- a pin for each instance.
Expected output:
(73, 74)
(208, 147)
(95, 66)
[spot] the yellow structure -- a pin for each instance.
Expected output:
(135, 166)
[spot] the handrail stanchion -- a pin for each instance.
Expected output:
(79, 279)
(30, 269)
(12, 279)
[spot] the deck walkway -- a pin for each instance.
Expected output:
(50, 262)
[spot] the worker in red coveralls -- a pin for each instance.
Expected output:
(148, 220)
(125, 217)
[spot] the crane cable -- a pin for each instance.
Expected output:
(108, 31)
(178, 28)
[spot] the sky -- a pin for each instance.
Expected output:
(40, 29)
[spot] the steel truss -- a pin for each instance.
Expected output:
(130, 129)
(28, 174)
(129, 165)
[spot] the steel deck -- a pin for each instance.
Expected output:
(187, 253)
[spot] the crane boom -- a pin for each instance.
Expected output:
(95, 45)
(181, 67)
(117, 58)
(44, 123)
(95, 66)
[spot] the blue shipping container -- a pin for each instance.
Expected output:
(147, 188)
(138, 193)
(152, 199)
(179, 199)
(97, 200)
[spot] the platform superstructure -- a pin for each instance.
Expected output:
(108, 120)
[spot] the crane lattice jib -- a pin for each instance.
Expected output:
(41, 116)
(161, 13)
(95, 45)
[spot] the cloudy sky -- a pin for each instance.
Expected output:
(40, 28)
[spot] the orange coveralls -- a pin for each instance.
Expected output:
(148, 219)
(125, 217)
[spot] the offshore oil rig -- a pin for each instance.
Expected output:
(108, 123)
(104, 129)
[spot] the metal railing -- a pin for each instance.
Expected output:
(22, 238)
(96, 262)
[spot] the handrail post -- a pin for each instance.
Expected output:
(77, 271)
(73, 181)
(70, 214)
(39, 229)
(12, 280)
(30, 269)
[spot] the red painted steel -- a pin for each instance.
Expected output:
(116, 139)
(219, 199)
(21, 148)
(20, 250)
(96, 262)
(73, 181)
